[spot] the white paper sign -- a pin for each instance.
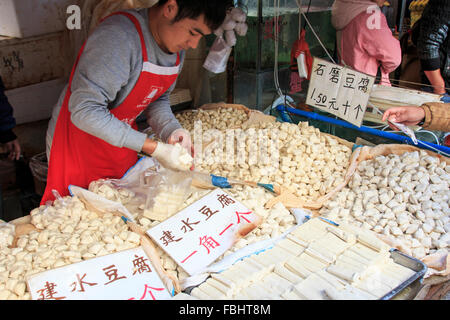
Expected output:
(125, 275)
(339, 90)
(200, 233)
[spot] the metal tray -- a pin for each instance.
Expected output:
(408, 289)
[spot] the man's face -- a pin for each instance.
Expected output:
(182, 35)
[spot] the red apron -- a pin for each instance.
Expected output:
(77, 157)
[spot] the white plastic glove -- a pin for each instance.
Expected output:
(183, 137)
(173, 157)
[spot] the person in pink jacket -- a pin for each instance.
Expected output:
(365, 42)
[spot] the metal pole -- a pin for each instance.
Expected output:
(402, 17)
(258, 57)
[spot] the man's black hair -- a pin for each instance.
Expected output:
(213, 10)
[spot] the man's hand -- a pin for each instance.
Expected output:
(183, 137)
(407, 115)
(13, 147)
(173, 157)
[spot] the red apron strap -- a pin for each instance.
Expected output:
(75, 66)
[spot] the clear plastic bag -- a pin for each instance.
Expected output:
(147, 190)
(167, 191)
(217, 59)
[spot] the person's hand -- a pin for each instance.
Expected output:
(173, 157)
(183, 137)
(407, 115)
(13, 148)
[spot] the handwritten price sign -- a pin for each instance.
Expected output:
(125, 275)
(339, 90)
(199, 234)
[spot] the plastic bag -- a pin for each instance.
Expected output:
(217, 59)
(147, 190)
(129, 190)
(167, 191)
(98, 204)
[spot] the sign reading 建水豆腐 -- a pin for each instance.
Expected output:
(197, 235)
(124, 275)
(339, 90)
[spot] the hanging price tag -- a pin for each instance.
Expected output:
(339, 90)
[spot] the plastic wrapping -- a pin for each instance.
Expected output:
(241, 29)
(167, 191)
(147, 190)
(230, 38)
(217, 59)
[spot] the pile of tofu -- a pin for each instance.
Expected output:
(317, 261)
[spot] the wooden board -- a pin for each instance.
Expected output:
(32, 60)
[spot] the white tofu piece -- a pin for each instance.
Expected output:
(297, 267)
(255, 292)
(311, 263)
(262, 269)
(277, 284)
(356, 293)
(282, 271)
(200, 294)
(280, 254)
(310, 289)
(224, 280)
(327, 250)
(290, 246)
(333, 280)
(372, 286)
(212, 292)
(402, 272)
(350, 263)
(319, 256)
(292, 295)
(348, 237)
(344, 273)
(291, 237)
(227, 291)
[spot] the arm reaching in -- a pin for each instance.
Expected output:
(435, 116)
(407, 115)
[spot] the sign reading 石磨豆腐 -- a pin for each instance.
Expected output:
(339, 90)
(197, 235)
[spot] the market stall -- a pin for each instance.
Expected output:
(368, 223)
(276, 205)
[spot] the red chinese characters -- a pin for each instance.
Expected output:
(148, 289)
(112, 273)
(49, 292)
(81, 283)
